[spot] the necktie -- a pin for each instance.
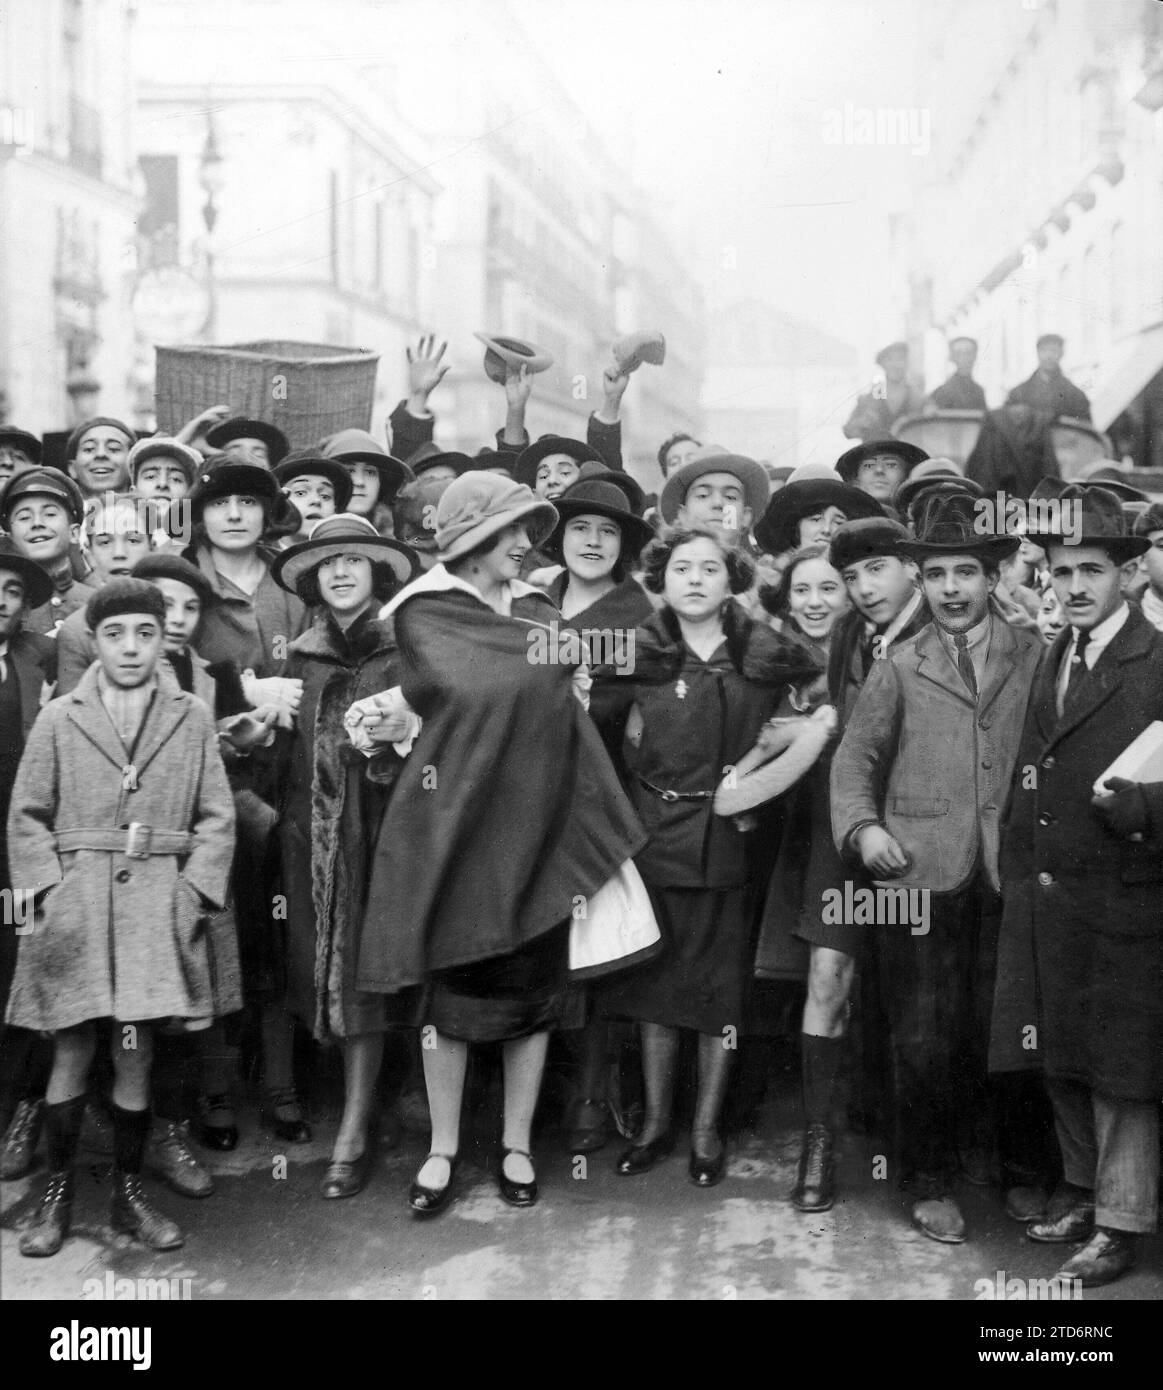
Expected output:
(868, 652)
(965, 662)
(1077, 667)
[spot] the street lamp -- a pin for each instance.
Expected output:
(210, 176)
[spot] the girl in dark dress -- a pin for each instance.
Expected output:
(706, 679)
(329, 811)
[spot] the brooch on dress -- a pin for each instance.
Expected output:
(680, 689)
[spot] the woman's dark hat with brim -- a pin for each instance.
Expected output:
(228, 479)
(315, 466)
(21, 439)
(504, 354)
(953, 526)
(1103, 521)
(357, 446)
(848, 464)
(429, 455)
(345, 533)
(167, 564)
(38, 587)
(278, 445)
(598, 497)
(599, 472)
(529, 459)
(809, 490)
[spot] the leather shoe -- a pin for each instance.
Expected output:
(589, 1127)
(815, 1188)
(707, 1172)
(1069, 1218)
(16, 1154)
(427, 1201)
(344, 1178)
(1105, 1257)
(286, 1117)
(168, 1154)
(1026, 1203)
(133, 1213)
(940, 1219)
(47, 1233)
(216, 1126)
(517, 1194)
(640, 1158)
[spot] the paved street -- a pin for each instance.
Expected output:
(591, 1236)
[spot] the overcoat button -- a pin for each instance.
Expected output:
(122, 875)
(1045, 879)
(1048, 762)
(1045, 818)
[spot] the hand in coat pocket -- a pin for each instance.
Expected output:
(1125, 809)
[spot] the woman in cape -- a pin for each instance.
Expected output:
(329, 811)
(505, 816)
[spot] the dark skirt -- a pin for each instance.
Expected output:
(504, 997)
(702, 976)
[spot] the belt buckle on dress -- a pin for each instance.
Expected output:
(137, 840)
(669, 795)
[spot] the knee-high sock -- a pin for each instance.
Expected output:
(821, 1067)
(130, 1128)
(62, 1131)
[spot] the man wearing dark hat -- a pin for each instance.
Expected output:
(960, 392)
(923, 812)
(98, 455)
(432, 462)
(19, 451)
(878, 410)
(26, 666)
(43, 510)
(936, 477)
(249, 441)
(1048, 390)
(887, 611)
(879, 466)
(1080, 960)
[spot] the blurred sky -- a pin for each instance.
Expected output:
(720, 108)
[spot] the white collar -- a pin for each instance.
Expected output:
(1101, 635)
(439, 580)
(1152, 608)
(900, 622)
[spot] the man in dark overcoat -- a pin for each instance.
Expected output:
(1080, 965)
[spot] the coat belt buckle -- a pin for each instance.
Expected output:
(137, 841)
(669, 795)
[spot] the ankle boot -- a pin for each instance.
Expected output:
(132, 1213)
(815, 1188)
(47, 1233)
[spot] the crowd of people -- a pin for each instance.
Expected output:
(291, 733)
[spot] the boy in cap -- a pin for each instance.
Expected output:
(249, 441)
(19, 451)
(122, 826)
(918, 790)
(98, 455)
(960, 392)
(888, 610)
(42, 510)
(163, 467)
(727, 492)
(1080, 959)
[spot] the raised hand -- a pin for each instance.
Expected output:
(426, 370)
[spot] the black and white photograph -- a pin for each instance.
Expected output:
(581, 663)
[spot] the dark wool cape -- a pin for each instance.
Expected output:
(506, 809)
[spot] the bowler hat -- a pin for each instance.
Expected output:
(38, 587)
(597, 496)
(345, 533)
(476, 506)
(619, 477)
(810, 489)
(504, 354)
(160, 446)
(357, 446)
(530, 458)
(494, 461)
(925, 475)
(865, 538)
(951, 525)
(631, 350)
(713, 458)
(848, 464)
(278, 445)
(21, 439)
(1102, 522)
(43, 482)
(167, 564)
(431, 455)
(314, 466)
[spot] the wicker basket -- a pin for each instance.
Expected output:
(308, 390)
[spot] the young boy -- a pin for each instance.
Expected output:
(725, 491)
(122, 828)
(43, 510)
(918, 791)
(98, 455)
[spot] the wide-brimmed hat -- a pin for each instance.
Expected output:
(345, 533)
(631, 350)
(865, 538)
(38, 587)
(167, 564)
(477, 505)
(927, 474)
(713, 458)
(598, 497)
(22, 440)
(848, 464)
(952, 525)
(937, 490)
(808, 490)
(1112, 476)
(95, 422)
(278, 445)
(358, 446)
(429, 455)
(1102, 522)
(315, 466)
(160, 446)
(529, 459)
(504, 353)
(43, 482)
